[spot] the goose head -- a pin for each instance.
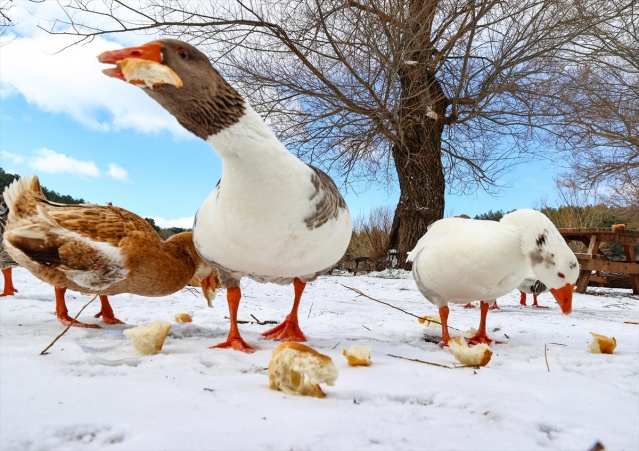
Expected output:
(194, 92)
(547, 253)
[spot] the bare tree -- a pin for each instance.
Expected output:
(432, 94)
(596, 109)
(5, 20)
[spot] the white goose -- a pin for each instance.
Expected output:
(531, 285)
(271, 217)
(460, 260)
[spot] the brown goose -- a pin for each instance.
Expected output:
(271, 217)
(96, 249)
(6, 262)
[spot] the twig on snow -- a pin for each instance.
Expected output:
(432, 363)
(392, 306)
(546, 356)
(44, 351)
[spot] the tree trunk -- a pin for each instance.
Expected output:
(417, 152)
(422, 185)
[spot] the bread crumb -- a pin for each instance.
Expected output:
(358, 355)
(297, 369)
(183, 318)
(149, 72)
(148, 339)
(602, 344)
(478, 355)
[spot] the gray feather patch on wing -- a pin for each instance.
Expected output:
(328, 200)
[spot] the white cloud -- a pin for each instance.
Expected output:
(118, 172)
(70, 81)
(185, 223)
(47, 160)
(11, 158)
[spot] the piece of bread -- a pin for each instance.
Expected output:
(136, 70)
(478, 355)
(183, 318)
(297, 369)
(150, 338)
(430, 320)
(358, 355)
(602, 344)
(618, 226)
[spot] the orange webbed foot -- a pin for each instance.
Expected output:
(106, 312)
(109, 319)
(537, 305)
(477, 339)
(469, 305)
(66, 320)
(287, 331)
(8, 292)
(235, 343)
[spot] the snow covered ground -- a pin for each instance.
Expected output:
(541, 390)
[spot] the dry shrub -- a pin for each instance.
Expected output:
(371, 237)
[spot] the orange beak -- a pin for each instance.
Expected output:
(563, 296)
(150, 52)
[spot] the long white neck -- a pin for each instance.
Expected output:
(249, 139)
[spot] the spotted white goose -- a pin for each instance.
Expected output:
(271, 217)
(460, 260)
(97, 249)
(531, 285)
(6, 262)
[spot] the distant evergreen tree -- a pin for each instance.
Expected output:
(60, 198)
(153, 224)
(492, 215)
(6, 179)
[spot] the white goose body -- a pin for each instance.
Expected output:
(271, 217)
(457, 261)
(256, 221)
(461, 260)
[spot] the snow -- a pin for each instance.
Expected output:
(541, 390)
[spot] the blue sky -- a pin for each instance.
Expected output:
(97, 138)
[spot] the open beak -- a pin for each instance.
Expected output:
(563, 296)
(149, 52)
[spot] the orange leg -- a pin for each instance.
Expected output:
(9, 289)
(63, 314)
(535, 302)
(106, 312)
(234, 339)
(522, 298)
(289, 330)
(443, 316)
(494, 306)
(480, 336)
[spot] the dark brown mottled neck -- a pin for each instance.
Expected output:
(204, 112)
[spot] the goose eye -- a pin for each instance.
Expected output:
(184, 54)
(561, 275)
